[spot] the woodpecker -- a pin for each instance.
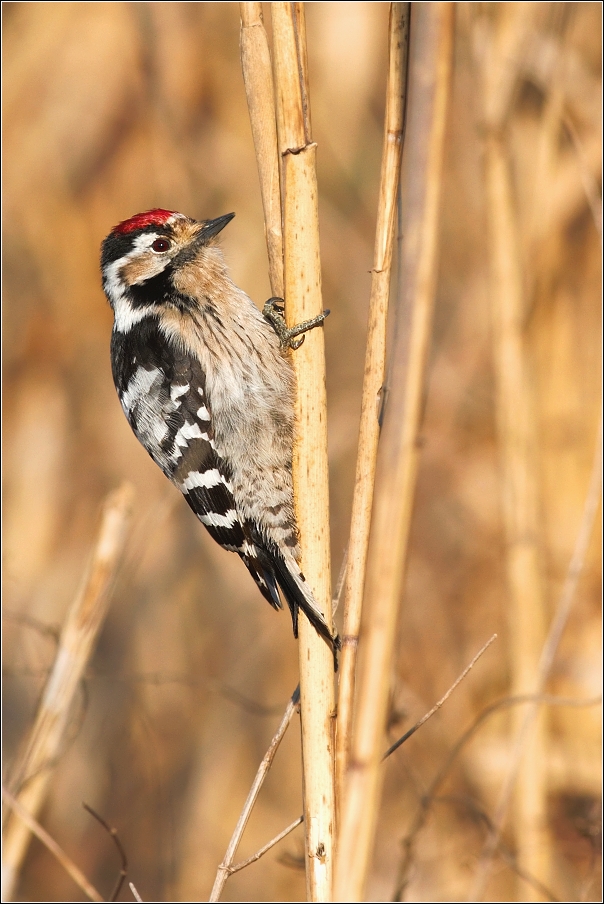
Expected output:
(205, 381)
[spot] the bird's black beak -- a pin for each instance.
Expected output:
(210, 228)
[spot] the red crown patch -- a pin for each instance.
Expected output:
(156, 217)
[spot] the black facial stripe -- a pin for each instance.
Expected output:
(159, 289)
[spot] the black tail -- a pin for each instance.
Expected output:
(299, 596)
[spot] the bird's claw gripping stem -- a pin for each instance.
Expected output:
(273, 311)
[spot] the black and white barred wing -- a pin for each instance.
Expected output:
(166, 406)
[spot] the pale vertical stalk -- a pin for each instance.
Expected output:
(525, 604)
(375, 356)
(258, 80)
(304, 301)
(429, 78)
(519, 467)
(30, 784)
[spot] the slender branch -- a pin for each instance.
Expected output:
(430, 59)
(48, 841)
(263, 850)
(118, 844)
(442, 700)
(135, 893)
(225, 868)
(340, 584)
(375, 357)
(82, 625)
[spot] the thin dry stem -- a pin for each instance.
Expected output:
(429, 79)
(225, 869)
(442, 700)
(263, 850)
(82, 625)
(375, 357)
(48, 841)
(135, 893)
(303, 302)
(259, 91)
(112, 832)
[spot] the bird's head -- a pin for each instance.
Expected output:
(159, 257)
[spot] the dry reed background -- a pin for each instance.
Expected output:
(113, 108)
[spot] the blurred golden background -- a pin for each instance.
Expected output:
(114, 108)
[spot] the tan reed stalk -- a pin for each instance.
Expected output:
(227, 868)
(375, 357)
(259, 90)
(304, 301)
(429, 79)
(519, 478)
(519, 467)
(30, 783)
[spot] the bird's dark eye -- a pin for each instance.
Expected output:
(161, 245)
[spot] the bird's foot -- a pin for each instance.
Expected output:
(273, 311)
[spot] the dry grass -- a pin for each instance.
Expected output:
(114, 108)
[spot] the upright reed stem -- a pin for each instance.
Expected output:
(429, 79)
(259, 91)
(375, 357)
(518, 456)
(303, 302)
